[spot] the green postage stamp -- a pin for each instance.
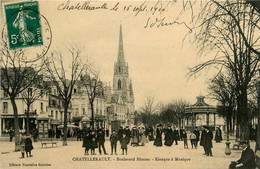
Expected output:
(23, 24)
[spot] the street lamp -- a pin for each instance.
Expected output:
(227, 150)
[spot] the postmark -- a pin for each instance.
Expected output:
(27, 29)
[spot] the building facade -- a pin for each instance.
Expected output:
(121, 98)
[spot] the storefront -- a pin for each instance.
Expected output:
(7, 122)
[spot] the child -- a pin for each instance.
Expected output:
(184, 136)
(193, 139)
(28, 146)
(22, 144)
(113, 141)
(124, 142)
(93, 142)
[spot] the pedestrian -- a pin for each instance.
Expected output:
(150, 134)
(208, 141)
(28, 146)
(176, 136)
(87, 142)
(120, 133)
(168, 136)
(93, 144)
(79, 134)
(181, 134)
(135, 137)
(197, 133)
(101, 141)
(184, 137)
(218, 135)
(142, 137)
(22, 144)
(124, 142)
(193, 140)
(113, 142)
(247, 159)
(128, 134)
(158, 137)
(11, 134)
(107, 132)
(202, 139)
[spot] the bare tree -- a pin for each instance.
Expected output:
(222, 89)
(64, 77)
(177, 108)
(149, 108)
(230, 28)
(31, 94)
(17, 75)
(94, 88)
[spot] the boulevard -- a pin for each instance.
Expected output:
(148, 156)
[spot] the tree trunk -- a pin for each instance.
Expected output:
(243, 113)
(179, 124)
(65, 129)
(27, 120)
(16, 125)
(92, 116)
(257, 146)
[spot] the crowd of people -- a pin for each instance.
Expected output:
(139, 136)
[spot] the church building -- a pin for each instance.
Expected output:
(121, 99)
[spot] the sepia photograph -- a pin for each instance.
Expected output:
(172, 84)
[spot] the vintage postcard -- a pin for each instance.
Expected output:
(129, 84)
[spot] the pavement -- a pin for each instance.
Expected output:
(145, 157)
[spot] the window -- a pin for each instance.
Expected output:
(5, 106)
(61, 116)
(119, 69)
(41, 107)
(52, 113)
(83, 111)
(5, 94)
(119, 84)
(75, 90)
(56, 115)
(54, 91)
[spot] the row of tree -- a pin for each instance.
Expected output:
(153, 112)
(59, 70)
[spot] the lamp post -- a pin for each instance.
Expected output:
(227, 150)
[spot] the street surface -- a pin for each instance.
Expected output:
(149, 156)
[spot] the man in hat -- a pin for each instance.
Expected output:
(120, 133)
(208, 141)
(101, 141)
(197, 133)
(128, 134)
(247, 160)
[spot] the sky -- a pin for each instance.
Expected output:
(157, 57)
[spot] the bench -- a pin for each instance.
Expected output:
(48, 141)
(236, 145)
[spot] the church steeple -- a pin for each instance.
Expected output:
(120, 57)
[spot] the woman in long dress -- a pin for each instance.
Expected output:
(142, 137)
(158, 139)
(135, 137)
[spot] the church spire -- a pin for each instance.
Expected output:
(120, 57)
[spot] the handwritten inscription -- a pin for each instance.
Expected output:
(155, 10)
